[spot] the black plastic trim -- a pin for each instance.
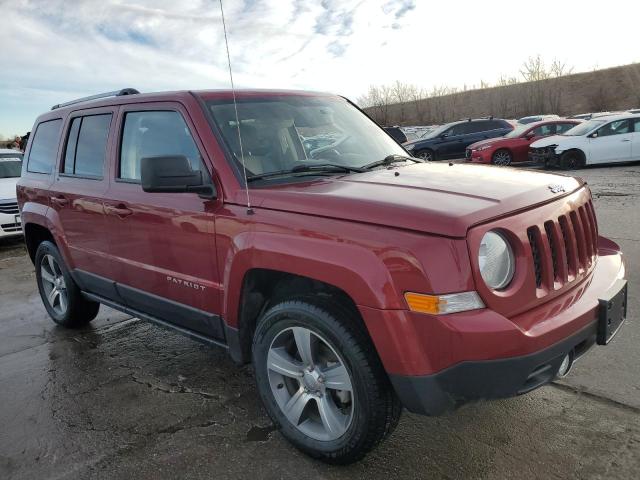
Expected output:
(489, 379)
(150, 318)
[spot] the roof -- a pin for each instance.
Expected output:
(111, 98)
(617, 116)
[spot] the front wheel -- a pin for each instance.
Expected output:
(321, 380)
(571, 160)
(501, 157)
(427, 155)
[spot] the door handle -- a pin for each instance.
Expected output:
(59, 200)
(119, 210)
(626, 140)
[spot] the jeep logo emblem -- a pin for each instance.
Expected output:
(556, 188)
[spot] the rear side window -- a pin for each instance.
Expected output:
(154, 134)
(563, 127)
(637, 125)
(44, 147)
(86, 148)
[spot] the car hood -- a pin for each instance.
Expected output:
(489, 141)
(552, 140)
(435, 198)
(8, 188)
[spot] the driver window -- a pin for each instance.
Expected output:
(152, 134)
(614, 128)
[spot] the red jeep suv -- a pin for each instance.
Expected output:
(292, 231)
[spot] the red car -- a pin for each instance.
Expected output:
(514, 146)
(357, 280)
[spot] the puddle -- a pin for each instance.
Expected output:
(259, 434)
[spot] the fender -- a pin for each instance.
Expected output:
(342, 265)
(44, 216)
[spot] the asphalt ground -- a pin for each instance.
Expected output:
(125, 399)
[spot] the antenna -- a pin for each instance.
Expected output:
(235, 107)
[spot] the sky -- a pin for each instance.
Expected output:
(55, 50)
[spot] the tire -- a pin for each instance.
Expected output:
(66, 305)
(427, 155)
(502, 157)
(341, 350)
(571, 160)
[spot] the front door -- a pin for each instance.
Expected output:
(612, 143)
(163, 244)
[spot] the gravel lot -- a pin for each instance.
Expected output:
(125, 399)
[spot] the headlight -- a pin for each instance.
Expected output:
(496, 260)
(482, 147)
(408, 148)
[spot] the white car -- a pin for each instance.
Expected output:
(10, 169)
(607, 139)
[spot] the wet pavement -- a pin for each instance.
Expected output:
(125, 399)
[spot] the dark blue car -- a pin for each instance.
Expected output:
(452, 139)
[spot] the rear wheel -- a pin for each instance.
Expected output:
(427, 155)
(321, 380)
(571, 160)
(60, 294)
(501, 157)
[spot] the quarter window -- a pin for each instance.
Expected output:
(44, 147)
(153, 134)
(544, 130)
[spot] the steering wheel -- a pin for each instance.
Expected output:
(332, 147)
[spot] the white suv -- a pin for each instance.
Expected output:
(607, 139)
(10, 168)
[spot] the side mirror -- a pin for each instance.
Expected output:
(594, 135)
(444, 135)
(530, 135)
(172, 174)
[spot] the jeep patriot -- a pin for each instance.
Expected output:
(289, 229)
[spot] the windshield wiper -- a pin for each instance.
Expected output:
(388, 160)
(320, 168)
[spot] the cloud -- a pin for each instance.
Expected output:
(57, 50)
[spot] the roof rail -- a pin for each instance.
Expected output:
(115, 93)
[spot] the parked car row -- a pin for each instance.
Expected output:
(451, 140)
(609, 139)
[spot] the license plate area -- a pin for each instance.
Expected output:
(612, 312)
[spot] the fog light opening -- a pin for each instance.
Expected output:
(565, 366)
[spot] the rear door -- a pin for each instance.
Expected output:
(80, 182)
(163, 244)
(613, 143)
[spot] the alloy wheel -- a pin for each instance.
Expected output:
(426, 155)
(53, 284)
(502, 158)
(310, 383)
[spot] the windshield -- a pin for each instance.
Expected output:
(516, 132)
(584, 128)
(285, 133)
(10, 167)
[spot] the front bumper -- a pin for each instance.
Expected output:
(437, 363)
(544, 156)
(10, 225)
(490, 379)
(478, 156)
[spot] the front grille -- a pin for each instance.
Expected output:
(567, 248)
(11, 227)
(9, 207)
(534, 242)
